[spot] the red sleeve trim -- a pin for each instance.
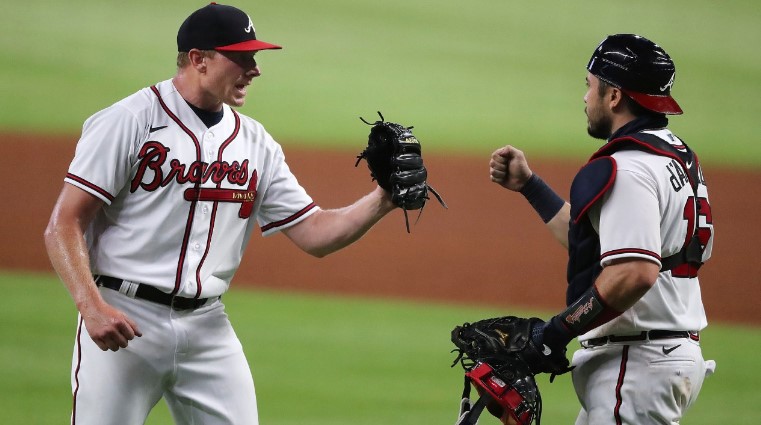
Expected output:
(290, 219)
(95, 188)
(645, 252)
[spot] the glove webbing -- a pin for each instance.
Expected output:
(438, 198)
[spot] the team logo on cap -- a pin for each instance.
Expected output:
(250, 28)
(669, 84)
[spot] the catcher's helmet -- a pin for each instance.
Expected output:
(640, 68)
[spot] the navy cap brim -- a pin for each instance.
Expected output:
(248, 46)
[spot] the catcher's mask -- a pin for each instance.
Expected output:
(520, 398)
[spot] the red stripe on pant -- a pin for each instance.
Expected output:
(619, 384)
(76, 371)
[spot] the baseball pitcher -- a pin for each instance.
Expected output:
(158, 205)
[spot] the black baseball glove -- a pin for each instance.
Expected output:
(501, 357)
(393, 155)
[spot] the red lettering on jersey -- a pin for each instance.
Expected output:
(245, 197)
(153, 156)
(704, 210)
(704, 232)
(239, 174)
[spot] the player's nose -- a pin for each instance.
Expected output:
(254, 72)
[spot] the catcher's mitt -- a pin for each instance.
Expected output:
(394, 158)
(500, 358)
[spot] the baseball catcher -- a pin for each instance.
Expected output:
(501, 356)
(394, 158)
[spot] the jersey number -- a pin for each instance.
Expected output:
(704, 233)
(704, 210)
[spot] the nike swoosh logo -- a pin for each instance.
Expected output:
(668, 351)
(152, 129)
(689, 164)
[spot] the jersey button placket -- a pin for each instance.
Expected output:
(209, 146)
(201, 225)
(210, 152)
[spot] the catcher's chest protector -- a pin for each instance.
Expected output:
(590, 184)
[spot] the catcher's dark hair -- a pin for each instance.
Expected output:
(630, 104)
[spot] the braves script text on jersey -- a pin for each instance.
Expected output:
(174, 188)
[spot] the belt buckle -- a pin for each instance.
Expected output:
(643, 336)
(187, 303)
(174, 304)
(595, 342)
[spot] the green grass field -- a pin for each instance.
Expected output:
(470, 76)
(323, 360)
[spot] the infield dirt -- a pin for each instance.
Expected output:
(489, 248)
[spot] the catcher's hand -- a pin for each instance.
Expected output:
(492, 340)
(393, 155)
(501, 357)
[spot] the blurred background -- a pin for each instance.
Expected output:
(468, 75)
(471, 77)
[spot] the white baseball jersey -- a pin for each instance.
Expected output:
(180, 198)
(649, 213)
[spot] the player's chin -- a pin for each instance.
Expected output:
(236, 101)
(237, 97)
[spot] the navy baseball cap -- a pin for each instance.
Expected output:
(220, 27)
(640, 68)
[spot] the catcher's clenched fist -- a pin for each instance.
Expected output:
(508, 168)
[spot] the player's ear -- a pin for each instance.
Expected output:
(614, 96)
(197, 59)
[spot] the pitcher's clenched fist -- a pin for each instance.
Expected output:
(109, 328)
(508, 168)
